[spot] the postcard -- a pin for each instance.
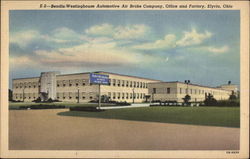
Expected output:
(124, 79)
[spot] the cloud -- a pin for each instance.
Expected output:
(118, 32)
(23, 38)
(21, 61)
(88, 54)
(167, 42)
(193, 38)
(222, 49)
(130, 32)
(103, 30)
(210, 49)
(62, 35)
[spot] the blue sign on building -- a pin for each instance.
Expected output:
(99, 79)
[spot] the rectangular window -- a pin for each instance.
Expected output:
(180, 91)
(168, 90)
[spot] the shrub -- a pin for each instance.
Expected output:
(37, 100)
(186, 99)
(210, 100)
(122, 103)
(42, 106)
(88, 109)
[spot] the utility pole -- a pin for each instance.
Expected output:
(78, 96)
(23, 93)
(99, 103)
(133, 89)
(187, 82)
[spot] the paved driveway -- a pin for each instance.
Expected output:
(45, 130)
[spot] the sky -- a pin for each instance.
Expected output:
(169, 45)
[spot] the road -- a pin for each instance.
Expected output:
(45, 130)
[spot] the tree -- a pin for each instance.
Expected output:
(232, 97)
(186, 99)
(210, 100)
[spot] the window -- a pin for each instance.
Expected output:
(154, 90)
(122, 83)
(76, 84)
(90, 97)
(118, 83)
(127, 83)
(58, 85)
(83, 84)
(83, 97)
(114, 82)
(168, 90)
(180, 91)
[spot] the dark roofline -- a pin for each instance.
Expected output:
(73, 74)
(96, 72)
(126, 75)
(192, 84)
(24, 78)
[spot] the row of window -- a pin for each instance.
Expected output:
(114, 95)
(69, 83)
(26, 95)
(26, 85)
(125, 83)
(191, 91)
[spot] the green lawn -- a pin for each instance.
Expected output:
(212, 116)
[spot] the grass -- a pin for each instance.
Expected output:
(211, 116)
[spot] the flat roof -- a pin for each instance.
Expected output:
(94, 72)
(24, 78)
(189, 84)
(126, 75)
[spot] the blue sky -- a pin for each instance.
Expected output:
(202, 46)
